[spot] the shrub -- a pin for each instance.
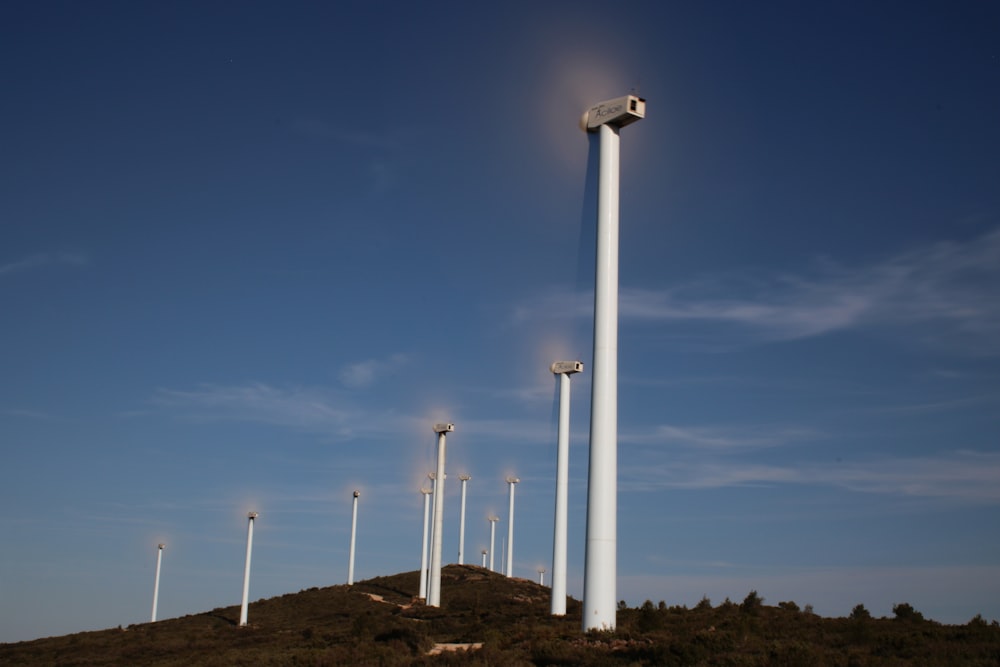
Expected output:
(751, 603)
(904, 611)
(859, 613)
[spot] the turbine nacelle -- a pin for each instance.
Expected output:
(567, 367)
(618, 112)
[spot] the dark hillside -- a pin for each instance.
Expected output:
(506, 622)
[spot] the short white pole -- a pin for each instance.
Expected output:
(541, 576)
(461, 522)
(156, 584)
(423, 547)
(484, 558)
(354, 533)
(246, 570)
(510, 527)
(493, 539)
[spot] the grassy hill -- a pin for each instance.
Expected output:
(506, 622)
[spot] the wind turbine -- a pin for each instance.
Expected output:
(541, 576)
(434, 583)
(156, 584)
(601, 565)
(510, 527)
(354, 533)
(493, 538)
(423, 547)
(484, 558)
(461, 522)
(246, 569)
(563, 369)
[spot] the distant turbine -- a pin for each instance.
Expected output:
(246, 569)
(354, 533)
(156, 584)
(423, 546)
(541, 576)
(461, 522)
(484, 559)
(493, 538)
(563, 369)
(601, 562)
(434, 583)
(510, 527)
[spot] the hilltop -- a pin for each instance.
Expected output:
(488, 619)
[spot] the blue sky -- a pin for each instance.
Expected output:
(250, 253)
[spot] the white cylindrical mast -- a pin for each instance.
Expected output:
(354, 533)
(461, 522)
(434, 579)
(246, 569)
(423, 546)
(601, 567)
(156, 582)
(484, 558)
(541, 576)
(510, 527)
(559, 539)
(493, 539)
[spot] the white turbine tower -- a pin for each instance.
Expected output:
(354, 534)
(493, 538)
(156, 583)
(510, 527)
(423, 547)
(601, 564)
(559, 539)
(434, 583)
(541, 576)
(246, 569)
(461, 522)
(484, 559)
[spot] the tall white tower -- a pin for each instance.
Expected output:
(559, 537)
(434, 579)
(601, 563)
(493, 538)
(156, 583)
(510, 527)
(246, 569)
(354, 534)
(423, 547)
(461, 522)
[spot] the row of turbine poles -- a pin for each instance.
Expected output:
(430, 575)
(600, 566)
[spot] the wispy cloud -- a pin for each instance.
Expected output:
(311, 409)
(950, 287)
(320, 129)
(744, 437)
(365, 373)
(964, 475)
(42, 260)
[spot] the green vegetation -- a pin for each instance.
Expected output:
(377, 622)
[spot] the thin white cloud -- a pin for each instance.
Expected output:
(366, 373)
(744, 437)
(320, 129)
(950, 287)
(42, 260)
(962, 475)
(303, 408)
